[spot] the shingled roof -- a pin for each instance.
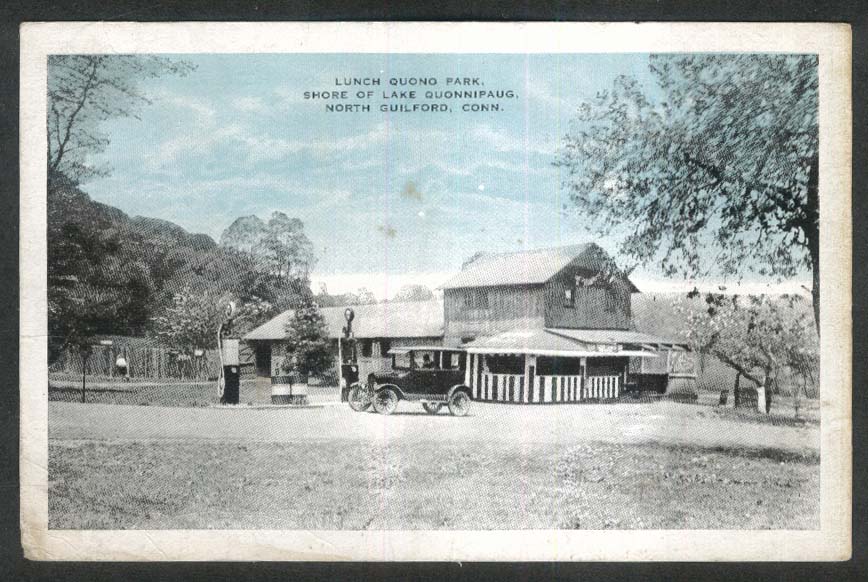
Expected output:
(419, 319)
(533, 267)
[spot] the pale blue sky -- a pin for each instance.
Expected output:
(236, 138)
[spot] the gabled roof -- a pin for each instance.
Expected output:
(533, 267)
(388, 320)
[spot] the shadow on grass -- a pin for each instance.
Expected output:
(747, 452)
(755, 417)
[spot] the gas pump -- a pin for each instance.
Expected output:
(349, 363)
(229, 383)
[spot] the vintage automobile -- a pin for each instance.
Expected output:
(433, 376)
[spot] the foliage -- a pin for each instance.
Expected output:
(721, 154)
(111, 274)
(362, 296)
(84, 91)
(307, 344)
(280, 246)
(758, 336)
(191, 321)
(414, 293)
(94, 285)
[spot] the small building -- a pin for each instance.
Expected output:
(546, 325)
(377, 328)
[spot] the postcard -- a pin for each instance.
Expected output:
(435, 291)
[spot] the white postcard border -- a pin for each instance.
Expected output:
(830, 41)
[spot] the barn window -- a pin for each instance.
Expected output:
(366, 348)
(569, 298)
(385, 346)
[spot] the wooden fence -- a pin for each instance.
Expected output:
(143, 362)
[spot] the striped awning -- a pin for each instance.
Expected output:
(544, 342)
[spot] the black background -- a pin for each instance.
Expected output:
(12, 564)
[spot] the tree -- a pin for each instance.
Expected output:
(245, 234)
(721, 154)
(279, 246)
(414, 293)
(94, 285)
(757, 336)
(277, 257)
(84, 91)
(362, 296)
(288, 250)
(191, 321)
(307, 343)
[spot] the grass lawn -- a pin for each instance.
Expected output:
(507, 467)
(171, 393)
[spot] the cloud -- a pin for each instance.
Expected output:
(199, 106)
(248, 104)
(200, 142)
(542, 93)
(257, 146)
(499, 140)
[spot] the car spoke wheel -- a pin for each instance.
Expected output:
(459, 403)
(386, 401)
(432, 407)
(359, 398)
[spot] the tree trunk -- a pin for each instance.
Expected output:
(736, 392)
(83, 378)
(812, 234)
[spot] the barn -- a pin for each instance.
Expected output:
(538, 326)
(552, 325)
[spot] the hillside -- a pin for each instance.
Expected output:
(122, 270)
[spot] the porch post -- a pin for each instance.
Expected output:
(529, 360)
(468, 371)
(583, 389)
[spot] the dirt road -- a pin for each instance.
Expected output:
(662, 422)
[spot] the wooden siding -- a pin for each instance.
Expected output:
(488, 310)
(593, 307)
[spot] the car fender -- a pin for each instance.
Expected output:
(394, 387)
(345, 390)
(456, 388)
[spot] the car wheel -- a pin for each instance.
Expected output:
(359, 398)
(459, 403)
(432, 407)
(386, 401)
